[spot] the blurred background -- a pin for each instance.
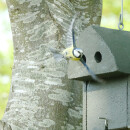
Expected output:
(6, 56)
(110, 19)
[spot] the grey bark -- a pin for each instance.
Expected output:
(41, 96)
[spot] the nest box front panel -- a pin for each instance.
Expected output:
(109, 101)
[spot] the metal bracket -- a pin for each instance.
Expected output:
(106, 122)
(121, 25)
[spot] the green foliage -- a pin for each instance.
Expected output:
(6, 62)
(111, 13)
(3, 5)
(4, 91)
(5, 76)
(6, 57)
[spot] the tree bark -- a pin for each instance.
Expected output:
(41, 96)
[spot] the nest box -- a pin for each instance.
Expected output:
(107, 54)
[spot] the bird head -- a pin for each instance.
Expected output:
(78, 52)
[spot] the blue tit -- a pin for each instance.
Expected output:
(72, 52)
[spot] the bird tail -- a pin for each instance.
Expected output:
(56, 54)
(54, 50)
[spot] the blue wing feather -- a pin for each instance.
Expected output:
(91, 72)
(70, 33)
(73, 34)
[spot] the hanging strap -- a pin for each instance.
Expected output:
(121, 25)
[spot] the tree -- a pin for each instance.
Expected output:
(41, 96)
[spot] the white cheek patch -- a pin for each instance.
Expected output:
(76, 54)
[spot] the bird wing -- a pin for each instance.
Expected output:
(57, 54)
(70, 34)
(73, 34)
(91, 72)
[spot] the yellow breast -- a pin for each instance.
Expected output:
(68, 53)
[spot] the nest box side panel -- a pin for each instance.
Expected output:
(119, 44)
(98, 56)
(128, 101)
(109, 101)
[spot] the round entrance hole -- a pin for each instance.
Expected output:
(98, 57)
(84, 58)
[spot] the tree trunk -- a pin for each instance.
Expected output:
(41, 96)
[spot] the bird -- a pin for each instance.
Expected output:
(72, 52)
